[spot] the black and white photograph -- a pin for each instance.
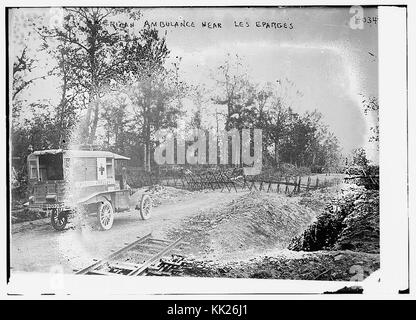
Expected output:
(195, 142)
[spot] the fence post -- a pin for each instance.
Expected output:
(287, 186)
(174, 179)
(270, 185)
(123, 177)
(183, 179)
(245, 181)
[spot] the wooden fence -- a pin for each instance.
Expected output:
(225, 179)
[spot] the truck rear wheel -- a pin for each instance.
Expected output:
(105, 215)
(145, 206)
(59, 219)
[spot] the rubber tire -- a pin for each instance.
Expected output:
(64, 216)
(145, 212)
(102, 205)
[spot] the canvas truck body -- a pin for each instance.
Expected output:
(64, 181)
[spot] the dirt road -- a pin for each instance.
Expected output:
(41, 249)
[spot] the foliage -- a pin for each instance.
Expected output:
(22, 66)
(104, 70)
(371, 107)
(299, 139)
(348, 223)
(359, 157)
(88, 47)
(154, 90)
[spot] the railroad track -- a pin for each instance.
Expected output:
(143, 257)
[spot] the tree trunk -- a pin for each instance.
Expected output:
(94, 125)
(144, 157)
(276, 153)
(149, 153)
(85, 125)
(148, 147)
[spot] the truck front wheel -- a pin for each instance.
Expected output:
(59, 219)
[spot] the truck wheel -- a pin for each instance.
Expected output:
(59, 219)
(105, 215)
(145, 206)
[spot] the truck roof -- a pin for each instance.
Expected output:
(81, 154)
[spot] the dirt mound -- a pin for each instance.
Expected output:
(361, 227)
(348, 223)
(318, 200)
(320, 265)
(253, 223)
(163, 194)
(26, 214)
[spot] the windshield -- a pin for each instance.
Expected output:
(50, 167)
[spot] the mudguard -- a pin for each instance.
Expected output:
(96, 197)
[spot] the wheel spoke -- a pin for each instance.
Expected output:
(145, 205)
(106, 216)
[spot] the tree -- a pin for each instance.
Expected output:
(371, 107)
(236, 92)
(23, 65)
(116, 122)
(72, 98)
(302, 140)
(359, 157)
(91, 43)
(154, 91)
(198, 96)
(36, 133)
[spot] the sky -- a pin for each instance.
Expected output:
(316, 49)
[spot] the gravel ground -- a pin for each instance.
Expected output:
(37, 247)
